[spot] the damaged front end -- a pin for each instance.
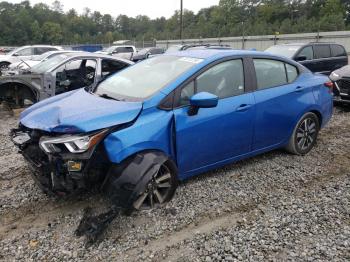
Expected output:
(63, 164)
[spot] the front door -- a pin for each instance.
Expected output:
(214, 134)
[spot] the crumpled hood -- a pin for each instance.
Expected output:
(78, 111)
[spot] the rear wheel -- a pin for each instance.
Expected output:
(304, 135)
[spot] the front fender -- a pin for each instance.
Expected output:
(151, 131)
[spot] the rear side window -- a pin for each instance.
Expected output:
(322, 51)
(269, 73)
(272, 73)
(338, 50)
(307, 52)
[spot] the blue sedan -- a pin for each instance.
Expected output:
(169, 118)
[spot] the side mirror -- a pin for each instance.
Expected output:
(301, 58)
(15, 54)
(202, 100)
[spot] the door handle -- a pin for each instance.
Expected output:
(299, 89)
(243, 107)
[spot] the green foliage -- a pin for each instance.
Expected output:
(26, 24)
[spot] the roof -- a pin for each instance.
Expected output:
(96, 55)
(209, 53)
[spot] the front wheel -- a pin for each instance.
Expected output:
(144, 181)
(304, 135)
(159, 190)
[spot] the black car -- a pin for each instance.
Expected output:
(146, 53)
(341, 80)
(318, 57)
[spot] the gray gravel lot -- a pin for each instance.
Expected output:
(274, 207)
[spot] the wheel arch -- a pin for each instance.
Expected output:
(126, 180)
(319, 116)
(7, 88)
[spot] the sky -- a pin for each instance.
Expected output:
(151, 8)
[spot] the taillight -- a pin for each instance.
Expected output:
(330, 86)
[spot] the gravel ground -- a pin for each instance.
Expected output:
(274, 207)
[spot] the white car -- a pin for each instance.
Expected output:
(25, 53)
(28, 63)
(122, 51)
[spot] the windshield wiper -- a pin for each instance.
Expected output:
(108, 97)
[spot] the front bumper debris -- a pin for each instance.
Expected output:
(60, 174)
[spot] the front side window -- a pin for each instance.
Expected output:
(144, 79)
(25, 52)
(75, 74)
(322, 51)
(224, 80)
(269, 73)
(307, 52)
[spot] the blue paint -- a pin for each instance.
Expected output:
(233, 128)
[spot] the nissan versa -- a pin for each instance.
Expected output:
(169, 118)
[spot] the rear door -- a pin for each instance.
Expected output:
(323, 59)
(281, 95)
(219, 133)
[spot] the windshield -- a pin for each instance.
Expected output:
(283, 50)
(48, 64)
(143, 51)
(43, 56)
(109, 49)
(146, 78)
(14, 50)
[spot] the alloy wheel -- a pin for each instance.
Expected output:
(306, 133)
(157, 190)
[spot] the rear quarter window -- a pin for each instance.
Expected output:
(338, 50)
(322, 51)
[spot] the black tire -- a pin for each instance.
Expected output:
(304, 135)
(4, 65)
(144, 181)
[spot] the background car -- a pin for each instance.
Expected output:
(341, 79)
(59, 74)
(122, 51)
(318, 57)
(25, 64)
(25, 53)
(175, 48)
(157, 122)
(146, 53)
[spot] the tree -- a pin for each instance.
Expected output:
(52, 33)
